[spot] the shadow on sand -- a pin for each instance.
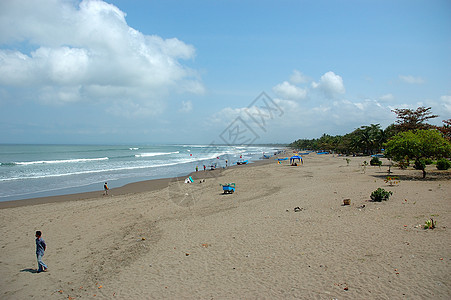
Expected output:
(29, 270)
(431, 176)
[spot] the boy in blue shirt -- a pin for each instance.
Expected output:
(40, 248)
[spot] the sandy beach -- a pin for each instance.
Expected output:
(168, 239)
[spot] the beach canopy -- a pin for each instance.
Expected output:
(280, 159)
(296, 157)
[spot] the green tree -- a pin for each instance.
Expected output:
(418, 145)
(374, 138)
(390, 131)
(367, 139)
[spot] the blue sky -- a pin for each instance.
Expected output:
(130, 71)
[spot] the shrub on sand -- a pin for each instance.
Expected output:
(380, 194)
(375, 161)
(443, 164)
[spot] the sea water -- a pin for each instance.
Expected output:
(28, 171)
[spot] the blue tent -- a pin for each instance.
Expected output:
(281, 159)
(293, 158)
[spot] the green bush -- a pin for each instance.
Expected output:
(380, 194)
(375, 161)
(443, 164)
(428, 161)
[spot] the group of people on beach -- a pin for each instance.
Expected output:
(212, 167)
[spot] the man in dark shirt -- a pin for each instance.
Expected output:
(40, 248)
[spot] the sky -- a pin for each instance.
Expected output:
(221, 72)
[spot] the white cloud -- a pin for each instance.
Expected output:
(330, 84)
(313, 118)
(289, 91)
(300, 120)
(411, 79)
(298, 78)
(446, 102)
(89, 48)
(60, 94)
(386, 97)
(286, 105)
(186, 107)
(226, 115)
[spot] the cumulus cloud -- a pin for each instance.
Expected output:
(411, 79)
(330, 84)
(80, 52)
(289, 91)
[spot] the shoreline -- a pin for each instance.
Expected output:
(129, 188)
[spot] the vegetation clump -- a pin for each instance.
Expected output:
(380, 195)
(418, 145)
(428, 161)
(443, 164)
(375, 161)
(391, 180)
(429, 224)
(348, 160)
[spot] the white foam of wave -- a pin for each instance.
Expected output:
(133, 148)
(203, 158)
(159, 163)
(195, 146)
(163, 164)
(62, 161)
(155, 154)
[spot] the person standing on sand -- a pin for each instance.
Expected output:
(105, 188)
(197, 168)
(40, 248)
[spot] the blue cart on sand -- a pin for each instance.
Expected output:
(228, 188)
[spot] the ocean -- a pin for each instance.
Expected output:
(29, 171)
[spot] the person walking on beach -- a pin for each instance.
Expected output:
(40, 248)
(197, 168)
(105, 188)
(205, 167)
